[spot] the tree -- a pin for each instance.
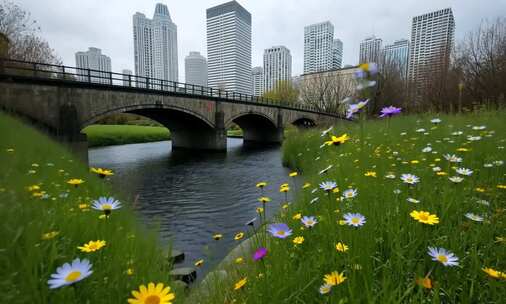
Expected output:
(283, 92)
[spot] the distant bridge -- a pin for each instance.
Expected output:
(63, 100)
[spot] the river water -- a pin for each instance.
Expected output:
(189, 196)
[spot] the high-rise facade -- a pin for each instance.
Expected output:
(155, 45)
(93, 59)
(397, 54)
(195, 69)
(229, 47)
(277, 66)
(370, 50)
(337, 54)
(257, 77)
(432, 39)
(128, 80)
(318, 46)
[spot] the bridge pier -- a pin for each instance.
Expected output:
(192, 137)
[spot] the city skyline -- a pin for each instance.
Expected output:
(110, 28)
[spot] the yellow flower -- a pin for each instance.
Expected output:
(341, 247)
(261, 184)
(337, 140)
(239, 260)
(84, 206)
(50, 235)
(239, 236)
(33, 188)
(298, 240)
(501, 186)
(424, 282)
(415, 161)
(152, 295)
(264, 199)
(130, 271)
(297, 216)
(10, 150)
(102, 217)
(335, 190)
(478, 189)
(102, 172)
(424, 217)
(260, 210)
(306, 185)
(92, 246)
(437, 159)
(441, 173)
(240, 283)
(217, 236)
(75, 182)
(285, 206)
(494, 273)
(370, 173)
(38, 194)
(293, 174)
(284, 189)
(462, 150)
(199, 263)
(334, 278)
(342, 222)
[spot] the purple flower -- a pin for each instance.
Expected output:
(280, 230)
(354, 108)
(259, 254)
(390, 111)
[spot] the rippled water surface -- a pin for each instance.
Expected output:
(189, 196)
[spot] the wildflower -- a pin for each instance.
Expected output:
(33, 188)
(153, 294)
(415, 161)
(130, 271)
(259, 254)
(264, 199)
(494, 273)
(474, 138)
(297, 216)
(298, 240)
(464, 171)
(199, 263)
(259, 210)
(69, 274)
(326, 131)
(456, 179)
(336, 141)
(501, 186)
(309, 221)
(239, 236)
(341, 247)
(239, 260)
(284, 189)
(441, 173)
(370, 173)
(334, 278)
(102, 172)
(355, 108)
(293, 174)
(350, 193)
(435, 120)
(452, 158)
(436, 169)
(280, 230)
(445, 257)
(240, 284)
(390, 111)
(75, 182)
(371, 68)
(325, 288)
(49, 235)
(479, 189)
(463, 150)
(390, 176)
(412, 200)
(9, 150)
(261, 185)
(426, 149)
(410, 179)
(424, 217)
(217, 236)
(424, 282)
(328, 186)
(106, 204)
(306, 185)
(474, 217)
(354, 219)
(92, 246)
(83, 206)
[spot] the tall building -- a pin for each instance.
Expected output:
(155, 45)
(397, 54)
(337, 54)
(318, 45)
(257, 76)
(432, 38)
(93, 59)
(277, 66)
(370, 50)
(229, 47)
(195, 69)
(128, 80)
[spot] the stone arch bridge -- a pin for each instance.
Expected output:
(64, 100)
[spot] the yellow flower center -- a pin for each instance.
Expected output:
(423, 217)
(93, 246)
(152, 299)
(74, 275)
(355, 220)
(409, 180)
(310, 222)
(106, 207)
(442, 258)
(280, 232)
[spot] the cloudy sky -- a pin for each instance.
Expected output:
(71, 25)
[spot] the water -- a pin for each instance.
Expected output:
(189, 196)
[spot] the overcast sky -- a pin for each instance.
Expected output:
(71, 25)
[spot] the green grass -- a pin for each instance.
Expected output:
(27, 261)
(389, 252)
(107, 135)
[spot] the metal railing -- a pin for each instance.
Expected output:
(35, 70)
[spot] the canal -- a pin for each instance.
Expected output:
(189, 196)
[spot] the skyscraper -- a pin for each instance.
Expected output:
(277, 66)
(229, 47)
(155, 45)
(370, 50)
(93, 59)
(257, 76)
(432, 38)
(337, 54)
(397, 54)
(195, 69)
(127, 78)
(318, 45)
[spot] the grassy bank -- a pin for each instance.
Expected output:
(383, 258)
(44, 220)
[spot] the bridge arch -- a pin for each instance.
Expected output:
(303, 122)
(257, 127)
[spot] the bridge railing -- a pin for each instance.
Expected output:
(37, 70)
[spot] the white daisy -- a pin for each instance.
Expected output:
(412, 200)
(456, 179)
(420, 130)
(397, 191)
(488, 165)
(436, 169)
(474, 138)
(390, 176)
(435, 120)
(483, 202)
(354, 219)
(309, 221)
(69, 274)
(426, 149)
(349, 193)
(457, 133)
(410, 179)
(106, 204)
(445, 257)
(325, 288)
(464, 171)
(474, 217)
(479, 127)
(452, 158)
(328, 186)
(498, 163)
